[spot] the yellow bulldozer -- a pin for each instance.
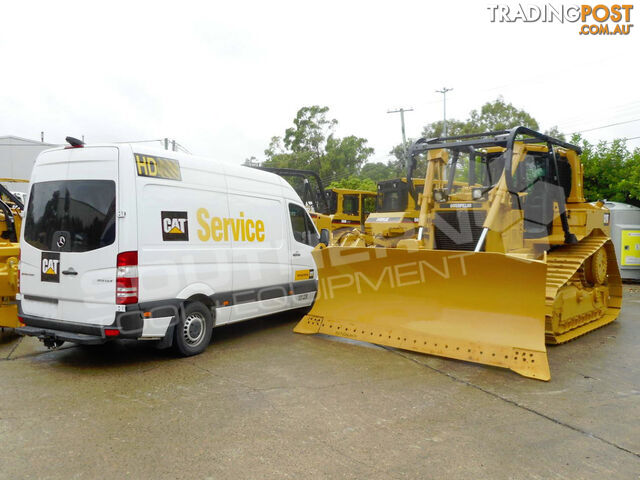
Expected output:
(338, 210)
(395, 217)
(11, 208)
(348, 209)
(507, 255)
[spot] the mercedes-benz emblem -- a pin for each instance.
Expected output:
(61, 241)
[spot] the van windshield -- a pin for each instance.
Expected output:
(71, 215)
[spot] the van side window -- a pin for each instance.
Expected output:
(303, 229)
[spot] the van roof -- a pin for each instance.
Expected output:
(197, 162)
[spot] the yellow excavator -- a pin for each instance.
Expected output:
(11, 208)
(507, 255)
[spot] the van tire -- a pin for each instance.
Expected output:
(193, 332)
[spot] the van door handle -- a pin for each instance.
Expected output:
(296, 254)
(71, 271)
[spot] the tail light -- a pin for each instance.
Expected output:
(127, 278)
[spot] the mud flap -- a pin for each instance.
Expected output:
(482, 307)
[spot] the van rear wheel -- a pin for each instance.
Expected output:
(193, 331)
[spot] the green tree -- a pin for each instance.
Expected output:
(311, 144)
(436, 129)
(630, 183)
(611, 171)
(377, 171)
(355, 183)
(496, 115)
(555, 133)
(499, 115)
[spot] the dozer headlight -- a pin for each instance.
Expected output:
(477, 194)
(439, 196)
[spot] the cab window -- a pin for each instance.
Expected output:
(369, 204)
(392, 196)
(350, 204)
(303, 229)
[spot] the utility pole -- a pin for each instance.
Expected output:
(404, 137)
(444, 100)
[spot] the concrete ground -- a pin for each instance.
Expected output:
(265, 403)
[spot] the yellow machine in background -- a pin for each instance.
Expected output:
(10, 222)
(507, 254)
(338, 210)
(396, 214)
(348, 209)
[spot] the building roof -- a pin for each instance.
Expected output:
(12, 140)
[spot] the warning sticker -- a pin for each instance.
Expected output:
(630, 248)
(304, 274)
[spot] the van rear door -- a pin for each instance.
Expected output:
(69, 243)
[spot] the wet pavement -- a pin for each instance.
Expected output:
(265, 403)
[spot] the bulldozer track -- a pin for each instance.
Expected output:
(563, 264)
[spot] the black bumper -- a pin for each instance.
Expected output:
(49, 334)
(128, 323)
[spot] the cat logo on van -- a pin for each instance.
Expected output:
(50, 267)
(175, 226)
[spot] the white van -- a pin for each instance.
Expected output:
(124, 241)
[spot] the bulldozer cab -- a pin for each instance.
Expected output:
(349, 209)
(502, 191)
(337, 210)
(396, 212)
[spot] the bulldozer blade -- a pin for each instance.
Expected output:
(481, 307)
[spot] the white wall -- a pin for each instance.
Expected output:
(17, 156)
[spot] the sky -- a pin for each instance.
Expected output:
(222, 78)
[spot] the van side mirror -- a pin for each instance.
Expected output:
(324, 236)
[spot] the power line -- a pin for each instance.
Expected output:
(607, 126)
(624, 139)
(629, 107)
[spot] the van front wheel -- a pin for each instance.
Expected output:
(193, 331)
